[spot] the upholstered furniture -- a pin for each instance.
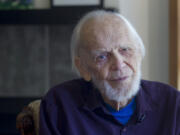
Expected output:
(27, 121)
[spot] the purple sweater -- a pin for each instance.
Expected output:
(75, 108)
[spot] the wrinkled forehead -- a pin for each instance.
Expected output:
(108, 29)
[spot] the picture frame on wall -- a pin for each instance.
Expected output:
(16, 4)
(56, 3)
(24, 4)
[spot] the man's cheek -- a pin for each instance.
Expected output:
(133, 63)
(100, 74)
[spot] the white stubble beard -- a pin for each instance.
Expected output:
(122, 94)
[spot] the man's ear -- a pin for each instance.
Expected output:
(82, 69)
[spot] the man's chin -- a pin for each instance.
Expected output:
(122, 92)
(119, 90)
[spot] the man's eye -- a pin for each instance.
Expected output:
(124, 49)
(101, 57)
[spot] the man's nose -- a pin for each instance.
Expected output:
(117, 61)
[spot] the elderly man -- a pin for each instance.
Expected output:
(111, 98)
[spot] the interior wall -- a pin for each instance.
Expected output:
(150, 18)
(159, 40)
(34, 58)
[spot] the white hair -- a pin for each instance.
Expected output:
(75, 39)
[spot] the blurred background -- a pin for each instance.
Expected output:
(35, 46)
(35, 49)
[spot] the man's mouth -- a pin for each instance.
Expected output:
(119, 78)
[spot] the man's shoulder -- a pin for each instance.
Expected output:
(74, 84)
(159, 90)
(67, 88)
(157, 85)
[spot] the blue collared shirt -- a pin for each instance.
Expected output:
(124, 114)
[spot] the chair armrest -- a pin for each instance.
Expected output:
(27, 121)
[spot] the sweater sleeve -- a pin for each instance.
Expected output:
(48, 123)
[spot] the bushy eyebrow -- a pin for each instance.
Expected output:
(98, 51)
(127, 46)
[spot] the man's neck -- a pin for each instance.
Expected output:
(117, 105)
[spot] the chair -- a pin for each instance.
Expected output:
(27, 121)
